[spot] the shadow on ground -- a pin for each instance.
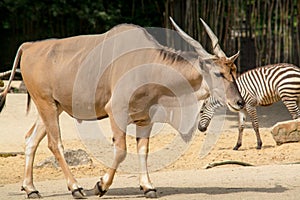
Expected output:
(169, 191)
(133, 192)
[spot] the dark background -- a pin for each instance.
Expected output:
(265, 31)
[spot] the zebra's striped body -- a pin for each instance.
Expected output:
(260, 87)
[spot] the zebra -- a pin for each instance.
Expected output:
(261, 86)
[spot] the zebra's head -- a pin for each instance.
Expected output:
(207, 111)
(205, 117)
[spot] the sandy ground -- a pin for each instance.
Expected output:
(183, 178)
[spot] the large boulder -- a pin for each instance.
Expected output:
(286, 131)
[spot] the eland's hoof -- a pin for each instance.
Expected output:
(149, 193)
(97, 190)
(32, 194)
(78, 193)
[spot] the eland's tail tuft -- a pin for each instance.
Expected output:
(2, 100)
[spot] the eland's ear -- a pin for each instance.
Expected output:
(211, 58)
(209, 61)
(234, 57)
(207, 64)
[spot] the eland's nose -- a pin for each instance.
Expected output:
(241, 103)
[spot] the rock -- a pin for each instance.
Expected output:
(22, 88)
(286, 131)
(73, 158)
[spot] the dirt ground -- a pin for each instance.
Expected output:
(14, 123)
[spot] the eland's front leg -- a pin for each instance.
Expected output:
(142, 139)
(120, 151)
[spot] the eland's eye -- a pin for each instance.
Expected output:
(219, 75)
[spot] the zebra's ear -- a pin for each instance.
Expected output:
(234, 57)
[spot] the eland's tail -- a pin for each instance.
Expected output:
(13, 71)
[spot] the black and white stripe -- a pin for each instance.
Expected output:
(207, 111)
(262, 86)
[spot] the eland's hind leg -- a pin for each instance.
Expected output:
(49, 112)
(32, 140)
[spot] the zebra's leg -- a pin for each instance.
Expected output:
(253, 116)
(142, 138)
(242, 119)
(292, 106)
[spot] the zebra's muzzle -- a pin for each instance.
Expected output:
(201, 128)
